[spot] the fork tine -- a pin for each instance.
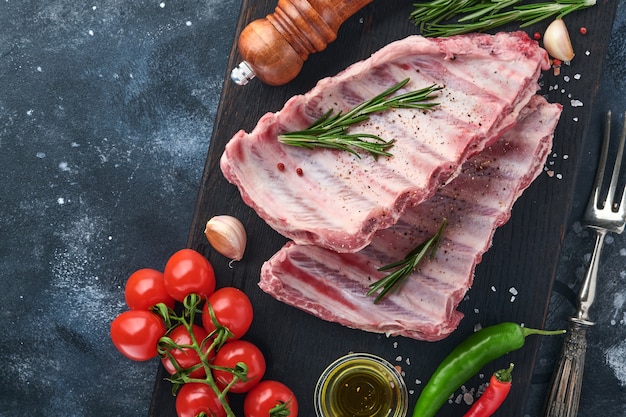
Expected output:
(616, 171)
(622, 206)
(597, 185)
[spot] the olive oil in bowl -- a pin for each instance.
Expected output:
(360, 385)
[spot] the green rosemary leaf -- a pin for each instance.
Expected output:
(435, 17)
(406, 266)
(331, 129)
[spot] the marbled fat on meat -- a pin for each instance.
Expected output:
(339, 201)
(333, 286)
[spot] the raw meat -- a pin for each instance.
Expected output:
(333, 286)
(336, 200)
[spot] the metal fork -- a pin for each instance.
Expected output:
(603, 217)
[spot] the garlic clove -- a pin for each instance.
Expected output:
(557, 42)
(226, 235)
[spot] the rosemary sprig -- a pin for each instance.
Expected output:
(331, 130)
(404, 267)
(482, 15)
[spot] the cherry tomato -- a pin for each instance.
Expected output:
(185, 357)
(146, 288)
(232, 309)
(135, 334)
(195, 397)
(239, 351)
(268, 395)
(186, 272)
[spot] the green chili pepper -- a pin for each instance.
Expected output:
(467, 359)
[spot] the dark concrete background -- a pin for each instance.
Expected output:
(106, 110)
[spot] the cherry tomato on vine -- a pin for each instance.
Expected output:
(146, 288)
(232, 309)
(195, 397)
(239, 351)
(185, 357)
(135, 334)
(270, 396)
(186, 272)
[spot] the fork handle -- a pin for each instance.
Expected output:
(587, 292)
(567, 379)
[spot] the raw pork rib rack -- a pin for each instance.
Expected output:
(335, 200)
(333, 286)
(467, 160)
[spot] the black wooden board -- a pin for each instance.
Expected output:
(522, 260)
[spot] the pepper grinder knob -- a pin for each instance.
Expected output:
(274, 48)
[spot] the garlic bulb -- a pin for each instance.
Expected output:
(227, 236)
(557, 42)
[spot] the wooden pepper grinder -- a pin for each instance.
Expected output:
(275, 48)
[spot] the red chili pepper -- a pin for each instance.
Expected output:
(494, 395)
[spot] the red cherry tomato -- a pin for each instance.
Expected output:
(146, 288)
(232, 309)
(135, 334)
(268, 395)
(185, 357)
(194, 398)
(186, 272)
(239, 351)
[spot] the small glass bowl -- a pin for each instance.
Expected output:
(360, 385)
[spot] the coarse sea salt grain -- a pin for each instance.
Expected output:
(576, 103)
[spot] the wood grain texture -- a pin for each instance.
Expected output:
(276, 46)
(523, 257)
